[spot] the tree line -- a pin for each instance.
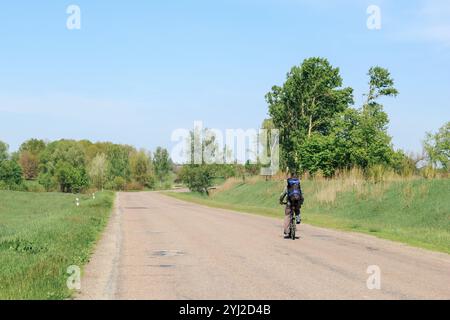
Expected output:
(74, 166)
(322, 132)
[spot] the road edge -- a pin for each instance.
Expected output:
(100, 274)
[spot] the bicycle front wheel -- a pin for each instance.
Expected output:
(293, 228)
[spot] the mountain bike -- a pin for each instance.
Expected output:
(292, 224)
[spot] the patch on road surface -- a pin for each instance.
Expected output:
(162, 265)
(322, 236)
(168, 253)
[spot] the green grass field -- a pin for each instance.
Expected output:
(41, 235)
(416, 212)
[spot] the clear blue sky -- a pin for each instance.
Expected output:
(137, 70)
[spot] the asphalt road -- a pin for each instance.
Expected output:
(156, 247)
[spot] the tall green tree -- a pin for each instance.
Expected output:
(307, 103)
(63, 165)
(68, 151)
(30, 165)
(3, 151)
(34, 146)
(141, 168)
(437, 147)
(119, 161)
(161, 163)
(360, 135)
(28, 157)
(98, 170)
(381, 84)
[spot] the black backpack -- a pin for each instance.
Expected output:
(294, 190)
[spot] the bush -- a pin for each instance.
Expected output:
(71, 179)
(223, 170)
(316, 154)
(404, 165)
(150, 181)
(109, 185)
(34, 186)
(10, 173)
(197, 178)
(119, 184)
(134, 186)
(252, 169)
(47, 181)
(167, 185)
(13, 187)
(376, 173)
(429, 172)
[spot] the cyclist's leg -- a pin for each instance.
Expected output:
(287, 219)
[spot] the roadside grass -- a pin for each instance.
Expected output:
(41, 235)
(412, 211)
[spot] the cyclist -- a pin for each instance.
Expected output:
(294, 195)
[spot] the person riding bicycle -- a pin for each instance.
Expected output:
(294, 195)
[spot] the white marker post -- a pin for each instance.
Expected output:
(93, 196)
(78, 202)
